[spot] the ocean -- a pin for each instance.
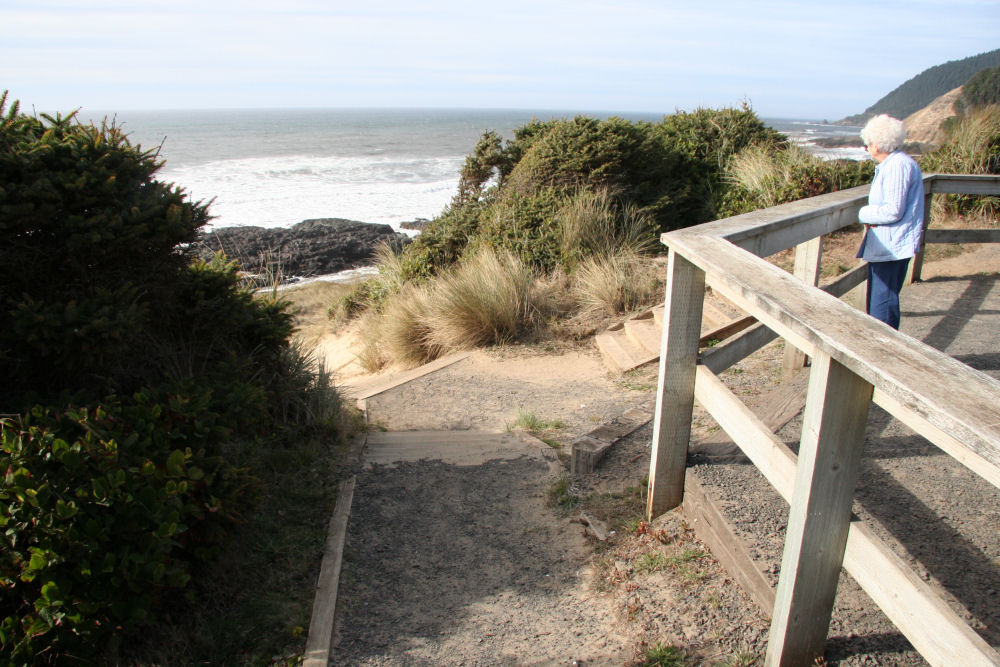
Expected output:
(275, 168)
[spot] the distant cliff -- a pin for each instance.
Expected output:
(927, 86)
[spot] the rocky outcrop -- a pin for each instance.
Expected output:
(310, 248)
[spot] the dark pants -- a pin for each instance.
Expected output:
(885, 279)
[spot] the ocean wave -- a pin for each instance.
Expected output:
(281, 191)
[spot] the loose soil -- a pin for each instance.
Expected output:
(491, 565)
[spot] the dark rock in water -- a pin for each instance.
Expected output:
(310, 248)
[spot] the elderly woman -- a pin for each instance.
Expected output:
(893, 218)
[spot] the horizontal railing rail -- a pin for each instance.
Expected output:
(856, 360)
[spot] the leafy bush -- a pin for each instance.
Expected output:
(512, 195)
(103, 510)
(762, 176)
(106, 503)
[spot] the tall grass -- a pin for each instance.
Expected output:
(372, 356)
(485, 299)
(617, 282)
(304, 392)
(405, 332)
(767, 173)
(371, 294)
(591, 222)
(973, 147)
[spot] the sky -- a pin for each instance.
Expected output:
(787, 59)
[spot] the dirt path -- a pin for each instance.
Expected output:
(476, 565)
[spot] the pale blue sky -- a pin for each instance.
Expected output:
(788, 59)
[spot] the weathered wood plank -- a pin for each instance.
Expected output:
(916, 267)
(936, 631)
(685, 293)
(847, 281)
(940, 634)
(727, 547)
(968, 184)
(946, 393)
(756, 336)
(945, 441)
(962, 236)
(771, 230)
(726, 330)
(771, 456)
(776, 408)
(808, 256)
(833, 433)
(317, 651)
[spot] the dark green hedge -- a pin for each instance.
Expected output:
(127, 372)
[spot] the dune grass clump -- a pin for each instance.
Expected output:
(592, 222)
(485, 299)
(406, 334)
(973, 147)
(761, 176)
(616, 283)
(488, 298)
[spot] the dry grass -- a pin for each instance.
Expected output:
(763, 171)
(486, 299)
(405, 333)
(309, 305)
(618, 282)
(371, 356)
(591, 223)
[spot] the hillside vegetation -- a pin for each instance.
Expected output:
(564, 219)
(924, 88)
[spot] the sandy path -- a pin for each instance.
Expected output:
(469, 565)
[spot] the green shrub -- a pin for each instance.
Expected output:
(763, 176)
(106, 503)
(514, 195)
(103, 511)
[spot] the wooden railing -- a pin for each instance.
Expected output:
(856, 360)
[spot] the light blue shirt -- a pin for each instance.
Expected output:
(896, 208)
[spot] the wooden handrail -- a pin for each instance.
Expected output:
(856, 360)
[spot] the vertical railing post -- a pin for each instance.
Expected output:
(833, 433)
(917, 265)
(683, 304)
(808, 257)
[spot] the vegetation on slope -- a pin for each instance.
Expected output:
(569, 211)
(924, 88)
(140, 393)
(982, 90)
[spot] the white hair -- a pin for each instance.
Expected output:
(885, 132)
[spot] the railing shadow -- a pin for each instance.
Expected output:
(959, 313)
(928, 536)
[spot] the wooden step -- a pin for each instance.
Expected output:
(620, 353)
(373, 386)
(637, 340)
(645, 333)
(462, 448)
